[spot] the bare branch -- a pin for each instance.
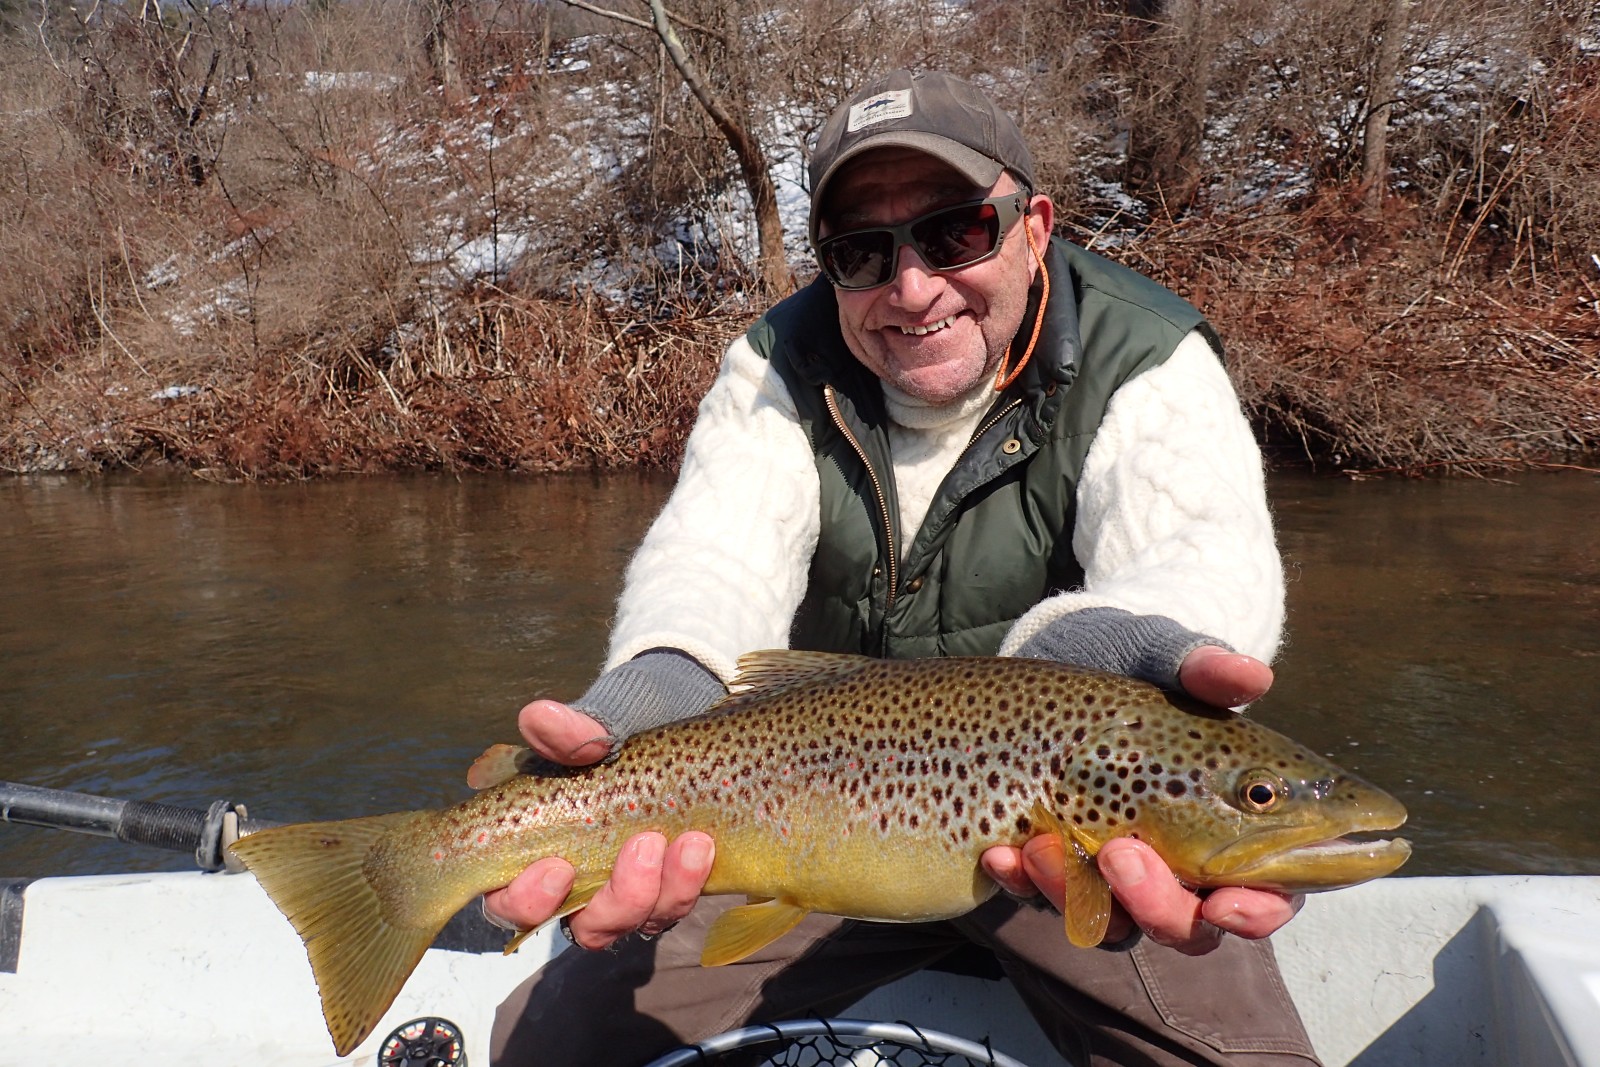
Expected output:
(604, 13)
(645, 23)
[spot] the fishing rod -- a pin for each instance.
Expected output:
(205, 833)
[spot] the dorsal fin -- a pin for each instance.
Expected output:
(776, 669)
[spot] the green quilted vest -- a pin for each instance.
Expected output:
(998, 535)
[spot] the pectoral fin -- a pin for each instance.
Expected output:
(740, 931)
(1088, 910)
(499, 763)
(1088, 903)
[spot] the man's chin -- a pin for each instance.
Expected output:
(940, 384)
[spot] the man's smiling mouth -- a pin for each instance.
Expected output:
(919, 331)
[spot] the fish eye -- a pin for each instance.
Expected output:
(1261, 791)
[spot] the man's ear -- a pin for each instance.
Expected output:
(1041, 219)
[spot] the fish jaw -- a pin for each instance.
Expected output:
(1316, 856)
(1322, 865)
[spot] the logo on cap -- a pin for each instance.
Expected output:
(894, 104)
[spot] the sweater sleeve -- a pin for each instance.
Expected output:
(723, 568)
(1172, 513)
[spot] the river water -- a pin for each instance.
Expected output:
(347, 647)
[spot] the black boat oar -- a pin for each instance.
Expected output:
(204, 833)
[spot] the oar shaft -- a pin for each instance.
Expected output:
(33, 805)
(138, 822)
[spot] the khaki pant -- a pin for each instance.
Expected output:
(1150, 1006)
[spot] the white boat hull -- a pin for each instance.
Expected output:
(201, 969)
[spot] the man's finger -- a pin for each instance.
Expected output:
(1167, 912)
(1250, 913)
(683, 876)
(533, 896)
(1046, 866)
(625, 902)
(563, 735)
(1004, 864)
(1222, 678)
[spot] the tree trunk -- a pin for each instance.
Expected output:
(1380, 102)
(439, 44)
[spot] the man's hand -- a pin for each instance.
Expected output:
(1140, 880)
(654, 884)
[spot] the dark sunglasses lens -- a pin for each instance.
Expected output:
(957, 236)
(859, 260)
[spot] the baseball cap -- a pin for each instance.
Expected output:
(934, 112)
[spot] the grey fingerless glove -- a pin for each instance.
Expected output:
(658, 686)
(1151, 647)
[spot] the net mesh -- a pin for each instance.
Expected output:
(837, 1043)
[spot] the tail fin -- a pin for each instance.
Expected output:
(314, 874)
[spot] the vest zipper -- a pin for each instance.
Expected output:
(877, 488)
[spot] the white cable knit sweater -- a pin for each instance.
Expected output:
(1172, 514)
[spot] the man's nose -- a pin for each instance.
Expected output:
(914, 284)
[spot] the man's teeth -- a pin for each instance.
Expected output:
(930, 328)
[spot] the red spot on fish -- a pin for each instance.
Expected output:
(727, 781)
(482, 837)
(632, 806)
(671, 803)
(588, 820)
(438, 855)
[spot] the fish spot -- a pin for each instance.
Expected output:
(1176, 788)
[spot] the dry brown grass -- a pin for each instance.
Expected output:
(1355, 347)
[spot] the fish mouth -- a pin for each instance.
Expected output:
(1307, 860)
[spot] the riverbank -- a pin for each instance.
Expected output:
(1348, 355)
(259, 244)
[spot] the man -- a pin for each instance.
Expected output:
(965, 438)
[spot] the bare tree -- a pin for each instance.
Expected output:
(736, 128)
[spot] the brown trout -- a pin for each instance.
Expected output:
(858, 787)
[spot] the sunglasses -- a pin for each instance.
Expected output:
(947, 239)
